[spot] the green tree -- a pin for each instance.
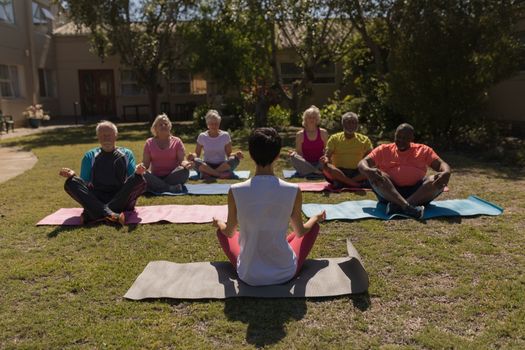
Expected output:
(444, 58)
(227, 45)
(431, 63)
(144, 34)
(317, 33)
(254, 32)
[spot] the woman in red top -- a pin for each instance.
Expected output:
(309, 144)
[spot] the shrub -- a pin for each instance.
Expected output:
(232, 112)
(278, 117)
(199, 114)
(331, 113)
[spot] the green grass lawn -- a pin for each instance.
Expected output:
(446, 283)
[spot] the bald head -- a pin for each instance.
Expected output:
(405, 127)
(404, 136)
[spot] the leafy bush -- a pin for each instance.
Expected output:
(232, 112)
(199, 114)
(278, 117)
(331, 113)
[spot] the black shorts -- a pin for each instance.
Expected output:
(404, 191)
(350, 173)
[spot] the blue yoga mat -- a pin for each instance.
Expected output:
(198, 189)
(364, 209)
(239, 174)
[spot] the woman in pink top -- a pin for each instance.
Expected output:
(309, 144)
(164, 157)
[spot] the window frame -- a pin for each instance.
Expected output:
(44, 14)
(174, 80)
(520, 36)
(289, 78)
(13, 81)
(132, 82)
(4, 7)
(323, 75)
(49, 83)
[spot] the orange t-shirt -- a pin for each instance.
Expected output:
(404, 168)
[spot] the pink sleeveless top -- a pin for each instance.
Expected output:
(313, 150)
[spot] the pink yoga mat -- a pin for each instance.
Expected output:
(325, 186)
(181, 214)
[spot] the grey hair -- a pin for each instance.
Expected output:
(104, 123)
(157, 120)
(312, 110)
(212, 114)
(349, 115)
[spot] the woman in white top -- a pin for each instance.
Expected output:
(261, 251)
(217, 146)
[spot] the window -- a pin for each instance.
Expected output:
(290, 72)
(46, 82)
(200, 85)
(180, 82)
(41, 15)
(9, 84)
(521, 40)
(129, 85)
(323, 73)
(6, 11)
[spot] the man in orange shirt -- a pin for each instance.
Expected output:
(397, 172)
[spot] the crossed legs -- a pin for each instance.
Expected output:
(94, 204)
(425, 192)
(300, 245)
(347, 177)
(217, 170)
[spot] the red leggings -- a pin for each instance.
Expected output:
(300, 245)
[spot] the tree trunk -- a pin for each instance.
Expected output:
(262, 106)
(152, 97)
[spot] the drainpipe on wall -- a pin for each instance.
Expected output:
(33, 75)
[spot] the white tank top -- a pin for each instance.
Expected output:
(264, 206)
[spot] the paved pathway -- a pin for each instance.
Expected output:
(15, 161)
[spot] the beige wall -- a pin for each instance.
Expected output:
(17, 48)
(72, 54)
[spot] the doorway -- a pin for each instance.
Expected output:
(97, 93)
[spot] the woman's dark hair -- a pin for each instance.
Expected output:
(264, 145)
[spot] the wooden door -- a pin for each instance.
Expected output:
(97, 92)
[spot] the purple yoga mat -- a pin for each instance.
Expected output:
(181, 214)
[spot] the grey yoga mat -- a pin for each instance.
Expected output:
(218, 280)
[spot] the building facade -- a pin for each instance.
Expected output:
(27, 57)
